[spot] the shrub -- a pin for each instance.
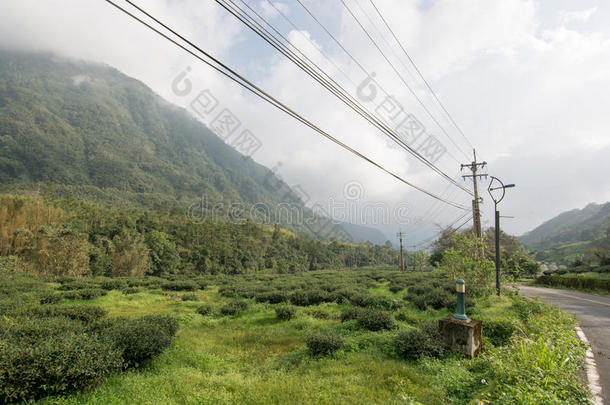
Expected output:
(78, 284)
(350, 314)
(138, 339)
(395, 287)
(316, 296)
(576, 282)
(201, 282)
(437, 298)
(167, 322)
(31, 330)
(285, 312)
(415, 343)
(322, 344)
(85, 314)
(189, 297)
(180, 285)
(234, 308)
(498, 332)
(57, 364)
(374, 319)
(86, 294)
(71, 295)
(131, 290)
(204, 309)
(404, 317)
(272, 297)
(318, 313)
(91, 293)
(113, 284)
(50, 298)
(299, 297)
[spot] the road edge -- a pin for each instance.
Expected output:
(592, 374)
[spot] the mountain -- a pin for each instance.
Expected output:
(361, 233)
(571, 233)
(87, 130)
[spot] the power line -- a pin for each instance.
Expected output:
(348, 53)
(399, 75)
(446, 228)
(421, 75)
(368, 17)
(318, 74)
(242, 81)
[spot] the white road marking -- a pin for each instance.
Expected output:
(592, 374)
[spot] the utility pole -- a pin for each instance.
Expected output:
(402, 262)
(476, 212)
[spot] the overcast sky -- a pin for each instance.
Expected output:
(527, 82)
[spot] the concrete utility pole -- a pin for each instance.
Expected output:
(476, 212)
(402, 262)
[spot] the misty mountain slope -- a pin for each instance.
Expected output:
(82, 124)
(571, 233)
(91, 131)
(589, 223)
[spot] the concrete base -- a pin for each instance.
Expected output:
(462, 336)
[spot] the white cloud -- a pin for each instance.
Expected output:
(271, 10)
(579, 16)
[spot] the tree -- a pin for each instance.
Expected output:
(164, 258)
(130, 256)
(57, 251)
(419, 259)
(465, 261)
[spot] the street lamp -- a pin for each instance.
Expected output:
(502, 187)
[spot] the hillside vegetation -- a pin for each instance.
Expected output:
(575, 235)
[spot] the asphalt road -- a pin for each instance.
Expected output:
(593, 314)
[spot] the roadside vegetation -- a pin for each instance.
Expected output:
(589, 272)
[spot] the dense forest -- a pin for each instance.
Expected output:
(74, 237)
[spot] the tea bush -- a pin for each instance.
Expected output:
(180, 285)
(285, 312)
(374, 319)
(234, 308)
(204, 309)
(323, 344)
(436, 298)
(376, 301)
(423, 341)
(50, 298)
(113, 284)
(57, 364)
(139, 339)
(91, 293)
(350, 314)
(85, 314)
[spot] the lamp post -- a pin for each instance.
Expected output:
(460, 311)
(502, 187)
